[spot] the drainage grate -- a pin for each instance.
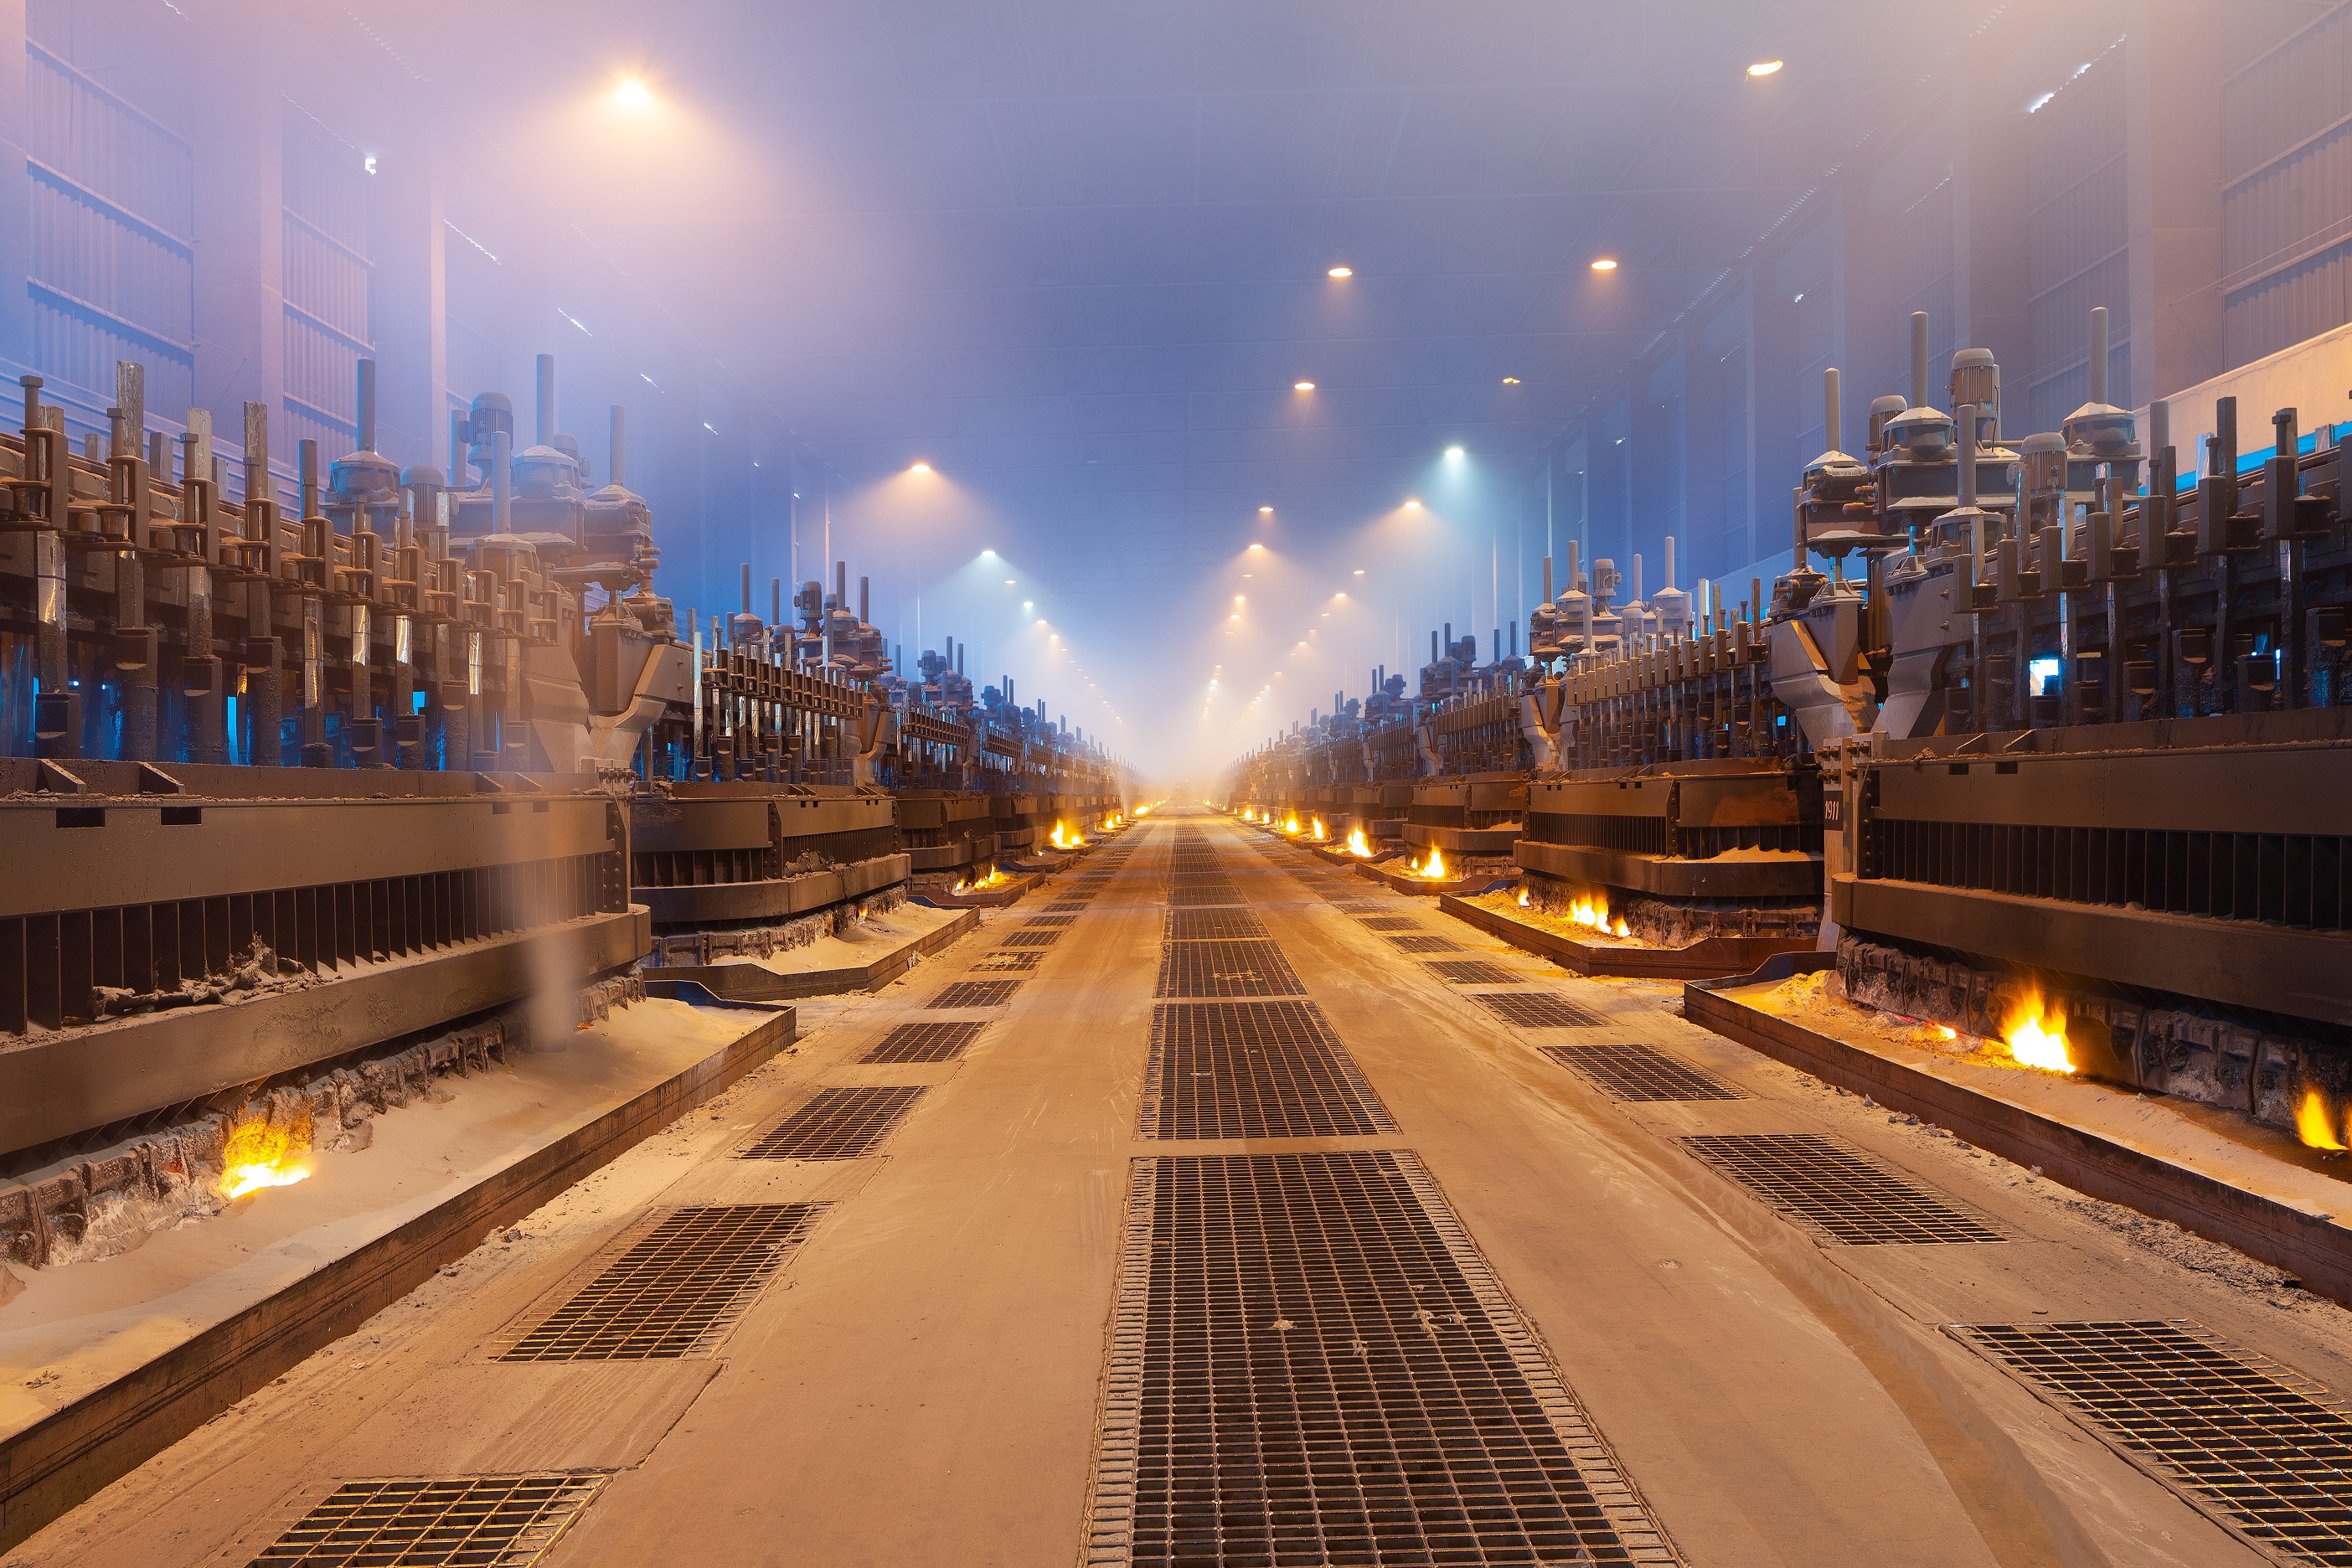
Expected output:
(1839, 1191)
(1388, 923)
(1225, 969)
(1024, 960)
(939, 1041)
(1425, 942)
(1537, 1010)
(1358, 909)
(1253, 1069)
(1029, 939)
(1476, 972)
(2258, 1448)
(1049, 922)
(1626, 1071)
(838, 1123)
(671, 1293)
(1066, 906)
(1199, 880)
(1214, 925)
(1179, 898)
(499, 1521)
(976, 993)
(1311, 1364)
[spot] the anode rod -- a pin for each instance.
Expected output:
(546, 437)
(1918, 359)
(367, 404)
(616, 461)
(2099, 353)
(1833, 410)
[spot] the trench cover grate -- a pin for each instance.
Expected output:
(1253, 1070)
(940, 1041)
(2254, 1445)
(1066, 906)
(1225, 969)
(836, 1124)
(1310, 1363)
(1426, 942)
(976, 993)
(673, 1291)
(1025, 959)
(1200, 879)
(1389, 922)
(1537, 1010)
(1181, 898)
(1049, 922)
(1625, 1069)
(1023, 938)
(1214, 925)
(497, 1521)
(1357, 908)
(1840, 1192)
(1476, 972)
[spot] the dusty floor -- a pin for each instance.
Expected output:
(921, 1382)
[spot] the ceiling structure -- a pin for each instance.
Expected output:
(1075, 254)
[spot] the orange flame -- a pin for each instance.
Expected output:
(1291, 826)
(1358, 845)
(1319, 831)
(1523, 898)
(2313, 1124)
(2035, 1035)
(1066, 836)
(1434, 870)
(259, 1154)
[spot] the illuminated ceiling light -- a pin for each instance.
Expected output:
(1266, 512)
(1765, 68)
(1412, 505)
(1008, 582)
(1256, 546)
(988, 554)
(1302, 386)
(1604, 264)
(1454, 454)
(632, 94)
(1341, 273)
(1238, 599)
(921, 469)
(1359, 571)
(1510, 381)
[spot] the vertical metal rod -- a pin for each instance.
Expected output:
(1918, 359)
(2098, 354)
(367, 404)
(617, 450)
(546, 411)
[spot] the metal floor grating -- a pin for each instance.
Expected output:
(1536, 1009)
(1066, 906)
(1625, 1069)
(1476, 972)
(1199, 879)
(1214, 925)
(1840, 1192)
(1388, 923)
(1310, 1363)
(975, 993)
(1181, 898)
(1253, 1070)
(2256, 1446)
(1423, 941)
(1225, 969)
(496, 1522)
(1026, 959)
(672, 1291)
(1049, 922)
(1025, 938)
(836, 1124)
(939, 1040)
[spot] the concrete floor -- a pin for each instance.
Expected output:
(920, 1384)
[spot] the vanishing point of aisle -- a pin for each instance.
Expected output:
(1218, 1206)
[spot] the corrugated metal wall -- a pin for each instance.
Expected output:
(112, 221)
(2079, 229)
(328, 272)
(2286, 208)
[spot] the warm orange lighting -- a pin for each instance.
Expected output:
(633, 93)
(1356, 846)
(2036, 1034)
(1302, 386)
(1291, 825)
(1765, 68)
(1523, 898)
(1319, 832)
(1065, 836)
(1341, 272)
(1433, 867)
(1604, 264)
(260, 1154)
(2313, 1124)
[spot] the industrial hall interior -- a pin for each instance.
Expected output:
(770, 795)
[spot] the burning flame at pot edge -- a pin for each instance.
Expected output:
(1591, 911)
(2035, 1035)
(259, 1154)
(2313, 1124)
(1434, 867)
(1358, 845)
(1065, 836)
(1319, 832)
(1291, 827)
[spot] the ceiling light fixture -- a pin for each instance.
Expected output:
(1604, 264)
(1412, 505)
(1454, 454)
(1341, 273)
(632, 94)
(1302, 386)
(921, 469)
(1510, 381)
(1266, 512)
(1765, 68)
